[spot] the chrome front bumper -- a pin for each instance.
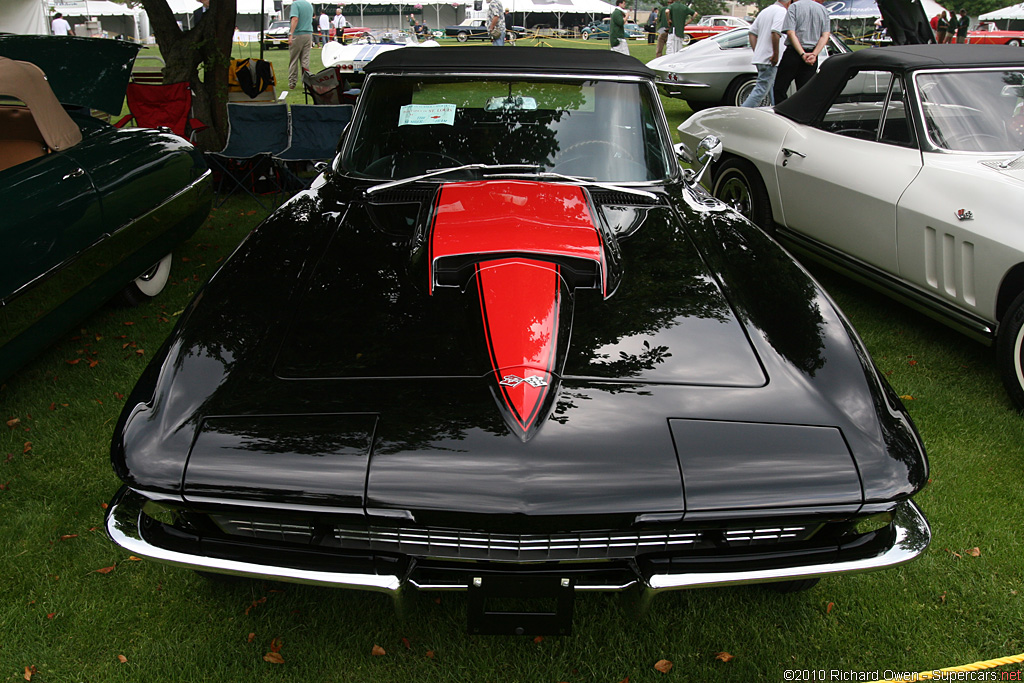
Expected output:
(124, 526)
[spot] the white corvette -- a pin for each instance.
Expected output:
(903, 167)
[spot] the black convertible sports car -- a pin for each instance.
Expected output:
(504, 344)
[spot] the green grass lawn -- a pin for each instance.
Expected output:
(74, 604)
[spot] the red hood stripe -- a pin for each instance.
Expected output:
(509, 227)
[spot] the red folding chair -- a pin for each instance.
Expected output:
(169, 105)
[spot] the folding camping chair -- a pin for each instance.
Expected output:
(328, 87)
(255, 134)
(168, 105)
(315, 131)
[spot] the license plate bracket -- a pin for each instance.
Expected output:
(486, 615)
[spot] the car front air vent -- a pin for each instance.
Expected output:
(622, 198)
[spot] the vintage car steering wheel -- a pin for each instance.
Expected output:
(616, 149)
(979, 139)
(404, 164)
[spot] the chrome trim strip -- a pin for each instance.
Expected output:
(123, 528)
(912, 537)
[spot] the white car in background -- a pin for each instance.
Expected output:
(902, 167)
(715, 71)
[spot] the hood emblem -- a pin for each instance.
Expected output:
(514, 381)
(964, 215)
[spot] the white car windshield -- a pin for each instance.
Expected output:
(974, 110)
(599, 129)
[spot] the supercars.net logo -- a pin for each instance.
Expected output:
(514, 381)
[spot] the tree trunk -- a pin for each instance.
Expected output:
(206, 45)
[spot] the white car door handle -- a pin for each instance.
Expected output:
(787, 152)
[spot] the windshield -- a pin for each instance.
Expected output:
(604, 130)
(974, 111)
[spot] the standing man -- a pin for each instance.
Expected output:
(339, 26)
(496, 22)
(204, 7)
(807, 30)
(60, 26)
(617, 31)
(679, 14)
(325, 28)
(766, 41)
(651, 27)
(962, 25)
(300, 40)
(662, 29)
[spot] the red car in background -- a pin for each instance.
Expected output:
(712, 25)
(987, 34)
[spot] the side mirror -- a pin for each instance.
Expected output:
(709, 150)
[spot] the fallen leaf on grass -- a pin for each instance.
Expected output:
(974, 552)
(408, 645)
(953, 553)
(106, 570)
(73, 361)
(275, 645)
(942, 598)
(122, 659)
(378, 651)
(129, 322)
(134, 559)
(828, 608)
(67, 536)
(256, 603)
(29, 672)
(250, 638)
(12, 423)
(663, 665)
(273, 658)
(27, 447)
(907, 397)
(429, 654)
(539, 639)
(51, 615)
(724, 657)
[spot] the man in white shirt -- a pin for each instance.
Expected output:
(339, 26)
(325, 27)
(766, 40)
(60, 26)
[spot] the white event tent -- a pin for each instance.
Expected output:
(1011, 12)
(26, 17)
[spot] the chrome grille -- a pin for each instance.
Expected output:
(265, 530)
(742, 537)
(477, 545)
(473, 545)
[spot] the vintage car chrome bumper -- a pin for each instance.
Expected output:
(125, 526)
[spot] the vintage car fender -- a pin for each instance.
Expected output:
(954, 192)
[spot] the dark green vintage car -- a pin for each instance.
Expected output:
(88, 209)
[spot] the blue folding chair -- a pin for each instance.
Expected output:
(256, 132)
(315, 132)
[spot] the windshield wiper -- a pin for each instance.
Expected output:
(1011, 161)
(443, 171)
(549, 175)
(584, 180)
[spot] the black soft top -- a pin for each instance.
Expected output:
(807, 103)
(525, 60)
